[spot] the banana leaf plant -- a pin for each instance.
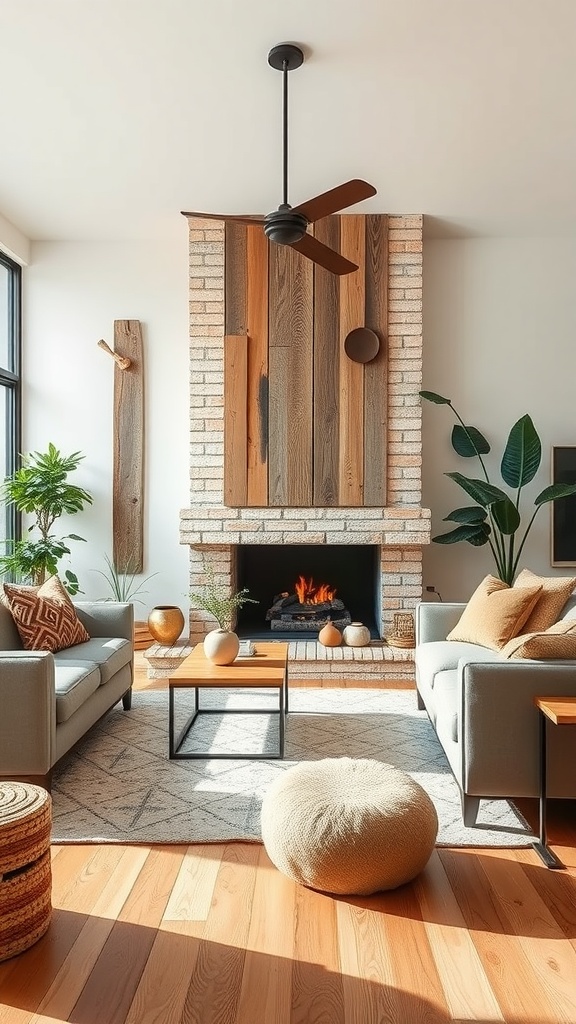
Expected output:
(496, 518)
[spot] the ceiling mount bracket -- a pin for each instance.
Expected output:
(285, 56)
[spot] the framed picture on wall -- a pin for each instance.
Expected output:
(563, 511)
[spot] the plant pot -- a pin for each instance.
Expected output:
(356, 635)
(165, 623)
(330, 635)
(221, 646)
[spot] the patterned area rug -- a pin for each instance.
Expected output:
(119, 786)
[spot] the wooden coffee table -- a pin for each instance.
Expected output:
(559, 711)
(267, 668)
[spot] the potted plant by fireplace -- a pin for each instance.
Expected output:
(221, 645)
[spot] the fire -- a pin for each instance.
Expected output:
(311, 593)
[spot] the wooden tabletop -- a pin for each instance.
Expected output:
(266, 667)
(560, 710)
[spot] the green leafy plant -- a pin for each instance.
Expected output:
(496, 517)
(40, 488)
(123, 583)
(216, 600)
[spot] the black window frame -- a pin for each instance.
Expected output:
(10, 378)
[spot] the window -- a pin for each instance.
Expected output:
(10, 346)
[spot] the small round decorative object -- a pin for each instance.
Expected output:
(348, 825)
(361, 345)
(221, 646)
(165, 623)
(330, 635)
(356, 635)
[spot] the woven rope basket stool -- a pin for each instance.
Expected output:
(25, 868)
(348, 825)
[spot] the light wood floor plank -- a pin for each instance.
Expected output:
(317, 992)
(462, 976)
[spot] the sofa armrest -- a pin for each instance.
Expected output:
(434, 620)
(107, 618)
(28, 713)
(499, 722)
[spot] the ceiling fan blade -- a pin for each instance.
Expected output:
(323, 255)
(247, 218)
(336, 199)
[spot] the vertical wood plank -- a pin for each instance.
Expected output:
(257, 330)
(326, 371)
(128, 460)
(376, 371)
(352, 306)
(235, 419)
(235, 278)
(290, 378)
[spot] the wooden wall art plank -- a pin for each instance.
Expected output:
(376, 371)
(235, 419)
(326, 371)
(352, 312)
(257, 329)
(128, 457)
(290, 377)
(235, 278)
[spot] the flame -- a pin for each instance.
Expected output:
(311, 593)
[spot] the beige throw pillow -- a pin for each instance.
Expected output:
(45, 616)
(555, 592)
(557, 642)
(495, 613)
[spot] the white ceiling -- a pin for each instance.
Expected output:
(117, 114)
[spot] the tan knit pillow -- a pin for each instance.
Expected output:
(557, 642)
(555, 592)
(45, 616)
(495, 613)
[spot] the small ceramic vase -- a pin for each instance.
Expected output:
(330, 636)
(165, 623)
(221, 646)
(356, 635)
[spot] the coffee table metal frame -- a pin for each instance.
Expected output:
(559, 711)
(197, 673)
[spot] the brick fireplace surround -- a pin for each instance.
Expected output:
(213, 531)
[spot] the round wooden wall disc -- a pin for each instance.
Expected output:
(361, 345)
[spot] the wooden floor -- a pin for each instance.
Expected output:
(207, 934)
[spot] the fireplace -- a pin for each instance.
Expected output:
(288, 579)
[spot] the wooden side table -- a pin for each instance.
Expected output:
(559, 711)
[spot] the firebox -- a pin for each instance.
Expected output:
(299, 587)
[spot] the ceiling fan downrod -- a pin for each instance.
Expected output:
(282, 225)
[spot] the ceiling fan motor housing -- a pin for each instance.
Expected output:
(285, 227)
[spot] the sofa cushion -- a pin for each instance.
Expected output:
(554, 594)
(495, 613)
(440, 655)
(557, 642)
(447, 711)
(45, 616)
(74, 684)
(110, 654)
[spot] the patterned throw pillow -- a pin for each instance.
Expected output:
(557, 642)
(555, 592)
(495, 613)
(45, 616)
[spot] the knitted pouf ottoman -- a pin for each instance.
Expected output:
(25, 868)
(348, 826)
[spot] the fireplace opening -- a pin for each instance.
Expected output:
(299, 587)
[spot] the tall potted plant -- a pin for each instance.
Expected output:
(40, 488)
(496, 517)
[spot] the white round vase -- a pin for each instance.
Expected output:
(221, 646)
(356, 635)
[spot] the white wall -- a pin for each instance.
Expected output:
(499, 341)
(73, 292)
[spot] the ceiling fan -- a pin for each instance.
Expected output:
(287, 225)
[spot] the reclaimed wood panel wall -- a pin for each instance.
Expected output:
(128, 458)
(304, 425)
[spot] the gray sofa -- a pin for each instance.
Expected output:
(48, 701)
(482, 708)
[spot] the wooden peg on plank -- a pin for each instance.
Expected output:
(121, 361)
